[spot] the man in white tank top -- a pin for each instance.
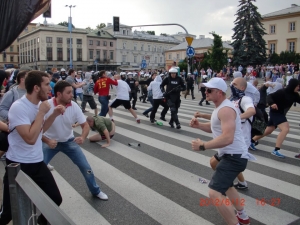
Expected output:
(225, 125)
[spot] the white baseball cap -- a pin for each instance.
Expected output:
(237, 74)
(217, 83)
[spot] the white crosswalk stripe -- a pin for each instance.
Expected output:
(158, 182)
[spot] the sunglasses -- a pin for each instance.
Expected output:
(208, 90)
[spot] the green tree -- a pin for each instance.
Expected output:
(152, 32)
(217, 59)
(248, 43)
(163, 34)
(101, 25)
(65, 24)
(183, 65)
(88, 28)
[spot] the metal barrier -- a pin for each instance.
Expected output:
(26, 196)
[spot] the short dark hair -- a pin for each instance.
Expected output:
(60, 87)
(70, 71)
(101, 73)
(33, 78)
(21, 75)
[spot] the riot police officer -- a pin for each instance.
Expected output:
(133, 94)
(175, 85)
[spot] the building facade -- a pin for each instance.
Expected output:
(10, 59)
(133, 46)
(178, 52)
(283, 30)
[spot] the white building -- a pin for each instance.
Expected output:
(134, 46)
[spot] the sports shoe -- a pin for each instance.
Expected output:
(193, 98)
(171, 124)
(178, 126)
(152, 121)
(50, 167)
(243, 221)
(138, 121)
(200, 104)
(146, 114)
(163, 118)
(278, 154)
(252, 147)
(297, 156)
(256, 143)
(134, 108)
(207, 103)
(102, 196)
(3, 158)
(238, 185)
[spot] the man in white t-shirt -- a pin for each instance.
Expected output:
(225, 126)
(26, 123)
(122, 98)
(60, 137)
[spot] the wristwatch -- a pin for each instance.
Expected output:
(202, 147)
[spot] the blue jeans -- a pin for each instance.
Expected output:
(74, 152)
(150, 99)
(80, 95)
(104, 105)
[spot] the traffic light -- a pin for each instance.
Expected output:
(116, 23)
(47, 14)
(188, 60)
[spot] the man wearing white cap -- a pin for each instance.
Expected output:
(225, 125)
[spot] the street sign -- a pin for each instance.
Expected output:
(190, 51)
(189, 40)
(95, 62)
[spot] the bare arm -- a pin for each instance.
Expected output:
(248, 113)
(4, 127)
(202, 115)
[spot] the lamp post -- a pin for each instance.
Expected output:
(70, 29)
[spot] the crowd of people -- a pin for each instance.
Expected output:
(39, 110)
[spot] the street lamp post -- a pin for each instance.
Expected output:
(70, 29)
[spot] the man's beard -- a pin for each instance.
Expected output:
(42, 96)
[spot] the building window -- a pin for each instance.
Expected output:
(79, 41)
(98, 43)
(68, 41)
(91, 54)
(49, 54)
(11, 58)
(111, 55)
(272, 48)
(31, 56)
(272, 29)
(155, 60)
(38, 40)
(59, 54)
(31, 42)
(111, 44)
(292, 26)
(134, 59)
(142, 47)
(91, 42)
(149, 48)
(160, 59)
(59, 40)
(38, 54)
(291, 46)
(79, 54)
(68, 54)
(169, 56)
(98, 54)
(11, 48)
(124, 45)
(48, 40)
(123, 58)
(104, 43)
(104, 54)
(124, 32)
(28, 43)
(25, 44)
(177, 56)
(34, 53)
(127, 32)
(34, 41)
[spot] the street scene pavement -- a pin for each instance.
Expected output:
(158, 181)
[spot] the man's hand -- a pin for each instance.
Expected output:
(79, 140)
(197, 115)
(194, 123)
(196, 144)
(52, 143)
(58, 110)
(105, 145)
(274, 106)
(44, 107)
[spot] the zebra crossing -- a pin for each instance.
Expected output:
(158, 182)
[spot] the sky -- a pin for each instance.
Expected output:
(199, 17)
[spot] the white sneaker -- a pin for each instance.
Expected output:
(50, 167)
(102, 196)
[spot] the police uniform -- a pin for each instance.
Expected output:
(133, 93)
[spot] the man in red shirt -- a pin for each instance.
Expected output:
(102, 88)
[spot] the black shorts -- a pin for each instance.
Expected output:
(104, 138)
(90, 99)
(226, 171)
(118, 102)
(276, 119)
(3, 141)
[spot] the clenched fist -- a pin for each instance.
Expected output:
(44, 107)
(52, 143)
(60, 109)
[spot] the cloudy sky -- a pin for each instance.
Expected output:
(199, 17)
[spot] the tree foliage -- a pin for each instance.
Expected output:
(152, 32)
(65, 24)
(163, 34)
(284, 58)
(217, 59)
(248, 43)
(101, 25)
(183, 65)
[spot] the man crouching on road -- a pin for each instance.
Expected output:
(104, 126)
(225, 125)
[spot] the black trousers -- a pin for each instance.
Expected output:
(174, 103)
(41, 175)
(133, 95)
(156, 104)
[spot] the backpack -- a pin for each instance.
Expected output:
(258, 124)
